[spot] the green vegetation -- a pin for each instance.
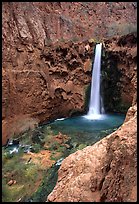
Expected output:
(111, 85)
(121, 29)
(30, 178)
(95, 40)
(86, 96)
(46, 187)
(81, 146)
(25, 174)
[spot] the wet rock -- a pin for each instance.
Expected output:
(15, 142)
(27, 148)
(118, 74)
(14, 150)
(58, 163)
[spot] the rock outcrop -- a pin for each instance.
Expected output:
(104, 172)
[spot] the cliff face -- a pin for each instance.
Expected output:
(119, 73)
(45, 71)
(53, 87)
(40, 22)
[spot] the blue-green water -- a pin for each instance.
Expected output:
(83, 130)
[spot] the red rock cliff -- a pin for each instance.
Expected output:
(43, 77)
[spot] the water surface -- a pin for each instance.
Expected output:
(84, 130)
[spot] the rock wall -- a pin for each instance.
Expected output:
(119, 73)
(40, 22)
(45, 72)
(51, 86)
(55, 83)
(103, 172)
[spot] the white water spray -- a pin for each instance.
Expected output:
(95, 98)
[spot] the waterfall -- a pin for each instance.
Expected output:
(95, 104)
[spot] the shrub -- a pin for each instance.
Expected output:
(81, 146)
(54, 146)
(36, 148)
(120, 29)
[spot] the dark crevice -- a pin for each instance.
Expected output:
(101, 184)
(108, 168)
(103, 197)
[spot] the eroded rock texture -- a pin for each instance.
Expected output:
(52, 86)
(103, 172)
(107, 170)
(45, 72)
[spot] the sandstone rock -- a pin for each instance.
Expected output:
(100, 172)
(11, 182)
(132, 110)
(16, 125)
(69, 86)
(87, 47)
(60, 138)
(25, 89)
(87, 65)
(65, 97)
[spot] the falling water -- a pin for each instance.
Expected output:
(95, 98)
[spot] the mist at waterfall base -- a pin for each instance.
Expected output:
(96, 124)
(83, 130)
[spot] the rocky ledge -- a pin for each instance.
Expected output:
(104, 172)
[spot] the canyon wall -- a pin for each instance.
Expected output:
(119, 73)
(47, 50)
